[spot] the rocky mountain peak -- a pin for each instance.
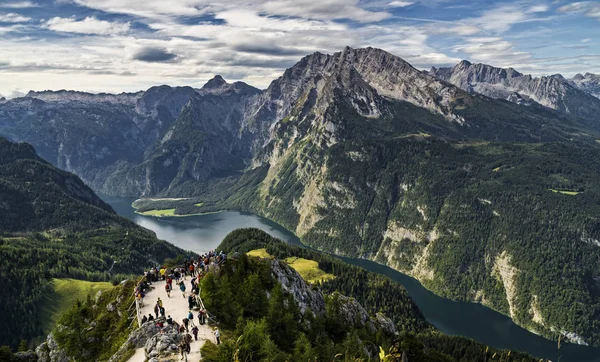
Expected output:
(216, 82)
(463, 64)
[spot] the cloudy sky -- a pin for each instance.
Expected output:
(128, 45)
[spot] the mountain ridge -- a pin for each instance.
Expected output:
(363, 155)
(552, 91)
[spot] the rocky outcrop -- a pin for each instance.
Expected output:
(28, 356)
(350, 312)
(163, 344)
(138, 339)
(306, 297)
(49, 351)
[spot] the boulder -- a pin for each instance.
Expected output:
(50, 352)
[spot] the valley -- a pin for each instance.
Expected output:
(481, 196)
(203, 232)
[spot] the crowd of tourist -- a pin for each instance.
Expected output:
(195, 269)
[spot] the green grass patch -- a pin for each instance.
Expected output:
(163, 212)
(565, 192)
(199, 204)
(261, 253)
(64, 294)
(497, 169)
(308, 269)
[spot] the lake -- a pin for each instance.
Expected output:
(201, 233)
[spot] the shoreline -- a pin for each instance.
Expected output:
(176, 215)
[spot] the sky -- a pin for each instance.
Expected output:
(130, 45)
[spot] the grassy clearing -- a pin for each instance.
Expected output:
(164, 212)
(308, 269)
(64, 294)
(261, 253)
(199, 204)
(497, 169)
(565, 192)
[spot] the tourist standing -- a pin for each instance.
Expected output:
(217, 335)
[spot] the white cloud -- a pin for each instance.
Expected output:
(538, 9)
(13, 18)
(495, 21)
(255, 40)
(589, 8)
(11, 28)
(594, 12)
(400, 4)
(19, 5)
(89, 25)
(492, 50)
(462, 30)
(573, 7)
(500, 20)
(321, 10)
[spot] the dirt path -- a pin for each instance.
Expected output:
(177, 307)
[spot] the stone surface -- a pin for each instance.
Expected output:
(306, 297)
(49, 351)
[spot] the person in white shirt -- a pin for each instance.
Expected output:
(217, 335)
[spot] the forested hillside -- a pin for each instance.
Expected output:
(271, 331)
(511, 225)
(53, 226)
(514, 226)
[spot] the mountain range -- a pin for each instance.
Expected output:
(480, 182)
(573, 97)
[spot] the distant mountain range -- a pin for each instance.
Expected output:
(589, 83)
(480, 182)
(574, 97)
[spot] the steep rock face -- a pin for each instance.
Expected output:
(385, 73)
(395, 78)
(347, 310)
(554, 92)
(306, 297)
(589, 83)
